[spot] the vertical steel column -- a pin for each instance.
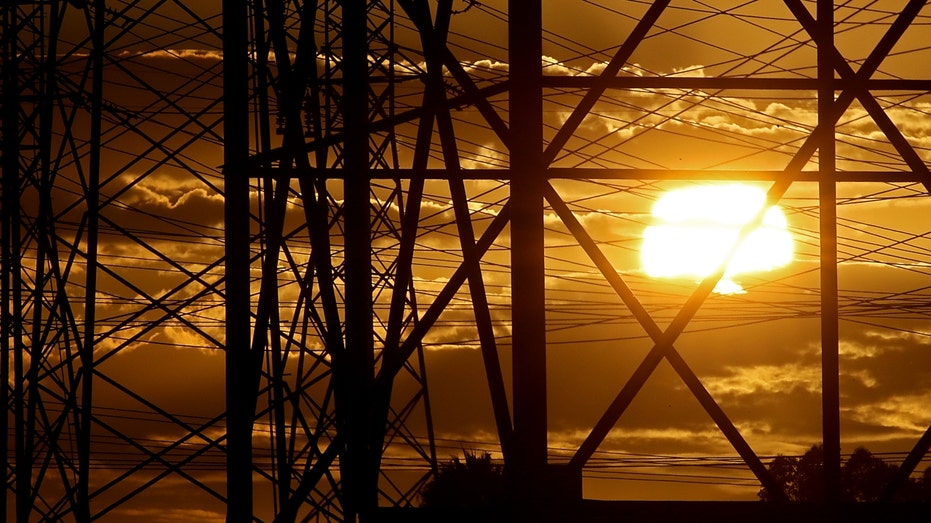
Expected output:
(527, 265)
(8, 151)
(10, 312)
(240, 394)
(355, 372)
(830, 394)
(82, 509)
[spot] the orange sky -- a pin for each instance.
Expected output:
(757, 353)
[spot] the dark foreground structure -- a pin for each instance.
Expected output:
(232, 235)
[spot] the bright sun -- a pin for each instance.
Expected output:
(694, 228)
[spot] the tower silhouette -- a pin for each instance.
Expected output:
(231, 233)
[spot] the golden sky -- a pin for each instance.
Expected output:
(160, 312)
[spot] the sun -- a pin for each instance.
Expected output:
(694, 229)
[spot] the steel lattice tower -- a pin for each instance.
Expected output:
(231, 232)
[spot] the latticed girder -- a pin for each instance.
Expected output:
(40, 340)
(304, 223)
(101, 111)
(607, 116)
(389, 171)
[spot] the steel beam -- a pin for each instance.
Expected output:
(11, 340)
(354, 372)
(240, 399)
(610, 71)
(92, 198)
(528, 285)
(827, 191)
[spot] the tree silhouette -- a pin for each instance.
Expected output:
(782, 469)
(863, 478)
(474, 482)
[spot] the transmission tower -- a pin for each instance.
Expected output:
(231, 234)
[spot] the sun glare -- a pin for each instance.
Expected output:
(695, 228)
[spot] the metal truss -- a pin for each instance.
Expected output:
(231, 233)
(102, 290)
(321, 338)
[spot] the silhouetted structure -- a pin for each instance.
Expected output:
(348, 133)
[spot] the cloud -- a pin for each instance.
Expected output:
(900, 415)
(555, 67)
(853, 350)
(199, 54)
(485, 68)
(187, 200)
(485, 156)
(766, 379)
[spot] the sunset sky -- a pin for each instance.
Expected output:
(757, 351)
